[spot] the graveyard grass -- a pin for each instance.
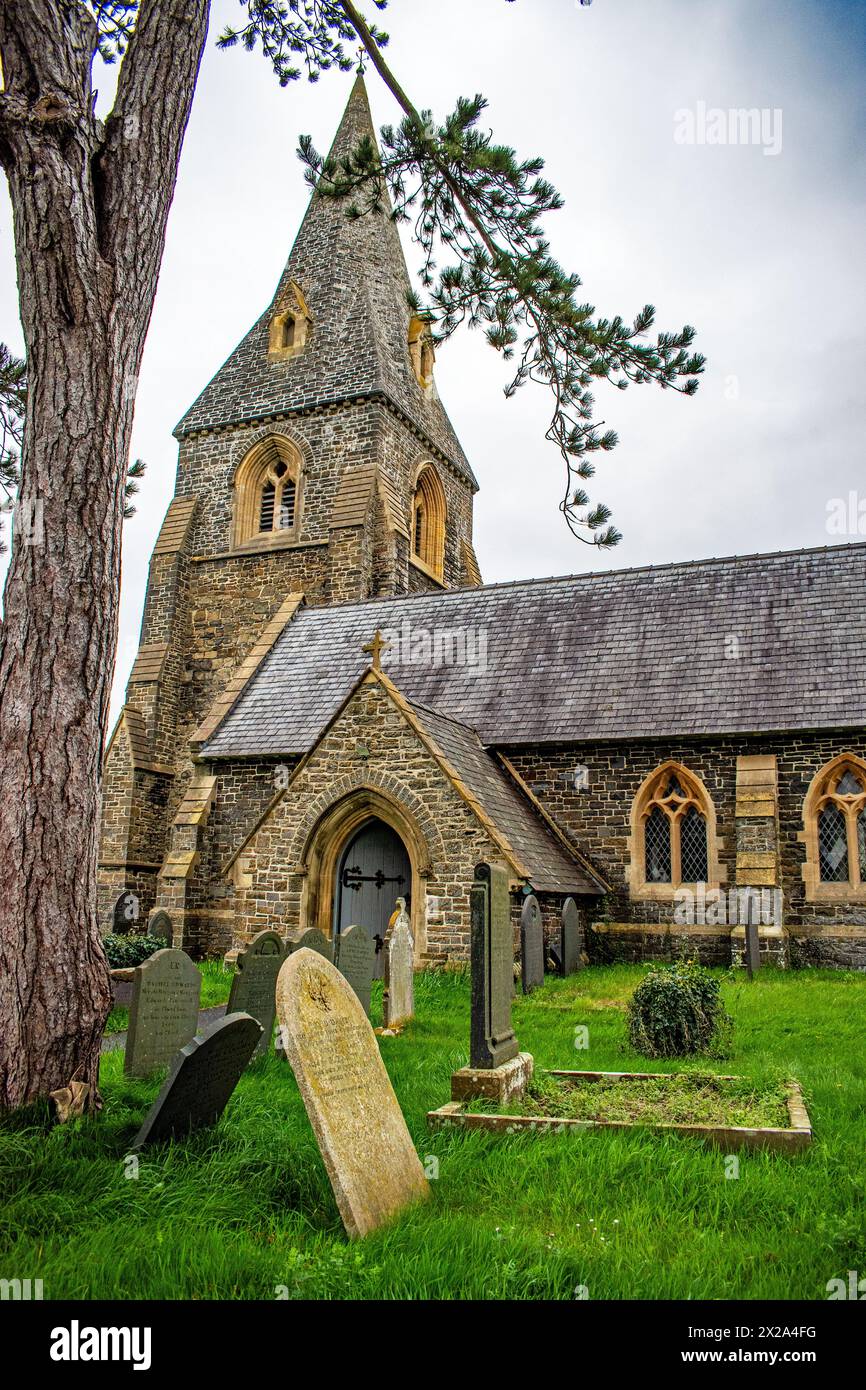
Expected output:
(246, 1211)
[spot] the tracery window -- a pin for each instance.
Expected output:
(835, 830)
(673, 834)
(267, 493)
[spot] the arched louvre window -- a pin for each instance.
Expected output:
(428, 521)
(672, 826)
(836, 827)
(268, 493)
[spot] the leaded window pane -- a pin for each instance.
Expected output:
(849, 785)
(657, 844)
(674, 788)
(693, 847)
(833, 845)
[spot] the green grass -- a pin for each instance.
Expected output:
(215, 985)
(691, 1099)
(246, 1209)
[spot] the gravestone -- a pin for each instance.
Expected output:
(126, 914)
(752, 942)
(491, 1037)
(531, 945)
(254, 987)
(163, 1012)
(310, 940)
(569, 938)
(398, 999)
(362, 1135)
(159, 925)
(202, 1077)
(356, 959)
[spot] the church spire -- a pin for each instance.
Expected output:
(338, 327)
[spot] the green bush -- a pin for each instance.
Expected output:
(677, 1010)
(126, 951)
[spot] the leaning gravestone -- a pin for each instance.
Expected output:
(254, 987)
(368, 1153)
(203, 1075)
(569, 938)
(531, 945)
(356, 960)
(491, 1038)
(163, 1013)
(159, 925)
(310, 940)
(398, 999)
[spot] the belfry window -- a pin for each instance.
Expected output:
(428, 521)
(267, 493)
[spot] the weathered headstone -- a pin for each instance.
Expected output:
(753, 941)
(310, 940)
(398, 999)
(531, 945)
(491, 1039)
(159, 925)
(202, 1077)
(163, 1012)
(356, 959)
(368, 1153)
(569, 938)
(254, 987)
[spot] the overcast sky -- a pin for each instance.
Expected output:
(762, 251)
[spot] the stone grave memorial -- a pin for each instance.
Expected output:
(531, 945)
(201, 1080)
(371, 1161)
(355, 958)
(163, 1011)
(310, 940)
(569, 938)
(497, 1068)
(254, 986)
(398, 999)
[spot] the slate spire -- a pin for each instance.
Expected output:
(354, 282)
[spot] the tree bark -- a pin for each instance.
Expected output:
(90, 205)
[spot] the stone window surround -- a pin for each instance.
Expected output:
(250, 478)
(638, 888)
(818, 891)
(428, 495)
(291, 310)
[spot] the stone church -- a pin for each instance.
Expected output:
(329, 709)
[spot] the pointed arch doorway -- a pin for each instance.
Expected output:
(372, 872)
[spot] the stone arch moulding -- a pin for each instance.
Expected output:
(271, 460)
(639, 888)
(333, 828)
(246, 442)
(821, 788)
(429, 518)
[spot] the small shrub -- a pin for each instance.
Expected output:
(677, 1010)
(126, 951)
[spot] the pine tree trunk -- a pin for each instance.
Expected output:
(90, 204)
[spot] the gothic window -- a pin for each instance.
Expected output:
(422, 354)
(289, 326)
(673, 834)
(428, 522)
(835, 830)
(267, 489)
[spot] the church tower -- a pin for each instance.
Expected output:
(317, 467)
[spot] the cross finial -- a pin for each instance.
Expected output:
(375, 649)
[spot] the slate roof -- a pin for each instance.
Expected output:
(550, 868)
(626, 654)
(354, 279)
